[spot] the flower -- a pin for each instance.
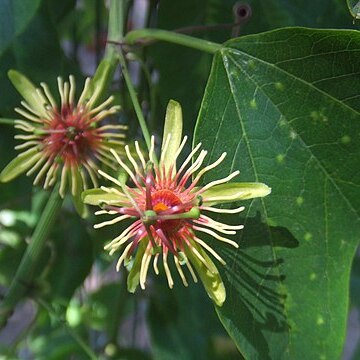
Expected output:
(65, 141)
(170, 211)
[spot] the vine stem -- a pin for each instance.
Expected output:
(25, 271)
(117, 15)
(135, 101)
(157, 34)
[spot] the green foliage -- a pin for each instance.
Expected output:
(276, 91)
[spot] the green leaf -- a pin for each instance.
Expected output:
(20, 164)
(34, 51)
(193, 66)
(72, 257)
(224, 193)
(291, 96)
(172, 127)
(180, 314)
(98, 196)
(14, 17)
(354, 8)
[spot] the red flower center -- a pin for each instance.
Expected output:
(163, 202)
(70, 136)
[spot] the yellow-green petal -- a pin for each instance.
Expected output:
(173, 127)
(28, 91)
(209, 274)
(99, 197)
(20, 164)
(133, 279)
(99, 84)
(80, 207)
(224, 193)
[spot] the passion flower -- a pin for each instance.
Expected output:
(62, 142)
(171, 211)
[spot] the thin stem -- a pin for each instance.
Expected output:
(156, 34)
(151, 91)
(115, 31)
(135, 101)
(98, 15)
(117, 14)
(71, 331)
(7, 121)
(25, 271)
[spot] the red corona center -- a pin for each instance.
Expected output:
(70, 136)
(163, 200)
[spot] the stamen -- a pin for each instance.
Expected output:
(66, 93)
(61, 89)
(215, 227)
(191, 271)
(111, 222)
(167, 270)
(91, 172)
(165, 241)
(221, 225)
(200, 257)
(132, 229)
(140, 155)
(156, 269)
(132, 160)
(145, 266)
(126, 168)
(36, 166)
(48, 95)
(206, 169)
(81, 100)
(72, 89)
(180, 148)
(41, 173)
(123, 256)
(223, 211)
(50, 174)
(112, 179)
(27, 144)
(24, 125)
(178, 267)
(220, 181)
(188, 159)
(27, 115)
(193, 168)
(164, 148)
(210, 250)
(74, 180)
(216, 236)
(152, 151)
(103, 105)
(31, 110)
(105, 212)
(63, 179)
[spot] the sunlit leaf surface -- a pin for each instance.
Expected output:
(285, 106)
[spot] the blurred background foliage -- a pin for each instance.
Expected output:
(77, 297)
